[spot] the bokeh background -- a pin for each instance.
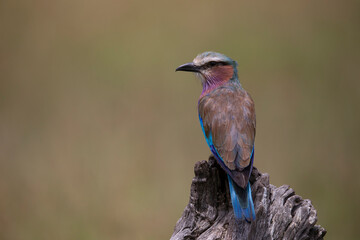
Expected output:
(99, 135)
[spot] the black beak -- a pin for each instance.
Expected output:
(188, 67)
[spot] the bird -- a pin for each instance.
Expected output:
(227, 118)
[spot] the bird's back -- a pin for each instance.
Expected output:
(227, 116)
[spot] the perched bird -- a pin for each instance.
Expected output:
(227, 118)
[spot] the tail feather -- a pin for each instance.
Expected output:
(242, 202)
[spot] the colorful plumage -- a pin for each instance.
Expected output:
(227, 118)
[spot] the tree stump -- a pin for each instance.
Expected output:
(280, 214)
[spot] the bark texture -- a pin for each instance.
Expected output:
(280, 214)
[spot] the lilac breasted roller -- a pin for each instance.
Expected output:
(227, 118)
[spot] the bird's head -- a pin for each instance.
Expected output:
(212, 68)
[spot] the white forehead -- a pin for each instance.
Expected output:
(206, 57)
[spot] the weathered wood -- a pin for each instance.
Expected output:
(280, 214)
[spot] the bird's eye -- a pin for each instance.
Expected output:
(212, 63)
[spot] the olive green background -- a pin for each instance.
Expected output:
(99, 135)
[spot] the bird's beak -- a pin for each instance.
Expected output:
(188, 67)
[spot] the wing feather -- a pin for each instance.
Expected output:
(228, 119)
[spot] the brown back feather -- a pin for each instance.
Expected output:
(228, 114)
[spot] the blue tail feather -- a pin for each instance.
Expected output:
(242, 202)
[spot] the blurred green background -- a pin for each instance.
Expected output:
(99, 135)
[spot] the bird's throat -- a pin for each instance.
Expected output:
(216, 77)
